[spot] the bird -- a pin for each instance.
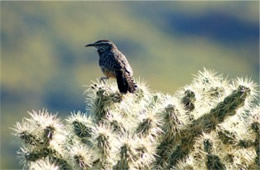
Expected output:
(114, 64)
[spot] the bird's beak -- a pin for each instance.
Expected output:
(90, 45)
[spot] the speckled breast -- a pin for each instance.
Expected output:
(108, 73)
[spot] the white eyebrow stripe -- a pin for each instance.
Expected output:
(103, 43)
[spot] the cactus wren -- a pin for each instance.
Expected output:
(115, 65)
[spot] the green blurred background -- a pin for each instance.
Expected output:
(44, 62)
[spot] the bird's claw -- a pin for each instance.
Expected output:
(102, 80)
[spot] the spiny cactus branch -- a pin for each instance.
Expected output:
(210, 124)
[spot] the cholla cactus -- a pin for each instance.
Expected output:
(210, 124)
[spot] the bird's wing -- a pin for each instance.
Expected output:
(122, 61)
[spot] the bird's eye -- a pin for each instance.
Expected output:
(101, 49)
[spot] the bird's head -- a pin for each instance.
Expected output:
(102, 45)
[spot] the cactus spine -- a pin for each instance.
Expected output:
(212, 123)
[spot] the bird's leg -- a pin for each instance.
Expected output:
(102, 79)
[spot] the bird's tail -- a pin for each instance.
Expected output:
(125, 82)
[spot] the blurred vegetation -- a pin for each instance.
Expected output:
(44, 63)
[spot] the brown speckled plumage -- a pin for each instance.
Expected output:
(115, 65)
